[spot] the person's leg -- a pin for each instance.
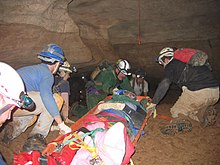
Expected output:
(183, 104)
(45, 120)
(207, 117)
(35, 96)
(21, 120)
(192, 103)
(16, 127)
(36, 138)
(92, 100)
(65, 108)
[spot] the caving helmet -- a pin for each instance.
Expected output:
(65, 67)
(124, 67)
(140, 73)
(12, 89)
(167, 52)
(52, 53)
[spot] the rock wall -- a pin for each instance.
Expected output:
(90, 30)
(145, 55)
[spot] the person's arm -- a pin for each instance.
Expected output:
(161, 90)
(65, 108)
(47, 96)
(145, 88)
(2, 162)
(125, 85)
(50, 104)
(108, 81)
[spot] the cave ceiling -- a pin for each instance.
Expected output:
(92, 30)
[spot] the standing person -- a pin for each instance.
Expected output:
(38, 80)
(200, 91)
(139, 84)
(12, 94)
(62, 86)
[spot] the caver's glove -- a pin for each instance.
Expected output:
(64, 129)
(152, 107)
(114, 91)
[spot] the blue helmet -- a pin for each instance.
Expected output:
(52, 53)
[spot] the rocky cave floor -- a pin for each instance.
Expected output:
(199, 147)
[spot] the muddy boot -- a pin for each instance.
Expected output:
(179, 126)
(35, 142)
(209, 117)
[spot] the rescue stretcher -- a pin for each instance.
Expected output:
(79, 122)
(58, 150)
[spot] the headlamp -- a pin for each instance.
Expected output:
(139, 76)
(74, 69)
(26, 102)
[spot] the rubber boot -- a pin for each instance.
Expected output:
(209, 117)
(176, 127)
(35, 142)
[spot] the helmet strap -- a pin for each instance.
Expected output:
(56, 67)
(5, 108)
(117, 72)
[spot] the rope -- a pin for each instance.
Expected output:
(139, 23)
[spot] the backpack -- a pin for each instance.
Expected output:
(104, 65)
(191, 56)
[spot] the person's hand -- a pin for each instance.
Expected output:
(130, 94)
(152, 107)
(64, 129)
(114, 91)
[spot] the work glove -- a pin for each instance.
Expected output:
(114, 91)
(119, 92)
(64, 129)
(152, 107)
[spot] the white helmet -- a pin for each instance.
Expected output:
(124, 67)
(11, 84)
(65, 67)
(166, 52)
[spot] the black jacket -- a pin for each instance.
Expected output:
(181, 74)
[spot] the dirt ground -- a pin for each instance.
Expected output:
(199, 147)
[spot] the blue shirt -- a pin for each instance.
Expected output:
(2, 162)
(39, 78)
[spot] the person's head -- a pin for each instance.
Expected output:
(122, 69)
(11, 91)
(52, 55)
(65, 70)
(166, 55)
(140, 75)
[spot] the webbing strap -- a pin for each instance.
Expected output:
(77, 142)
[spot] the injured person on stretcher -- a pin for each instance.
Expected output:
(105, 135)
